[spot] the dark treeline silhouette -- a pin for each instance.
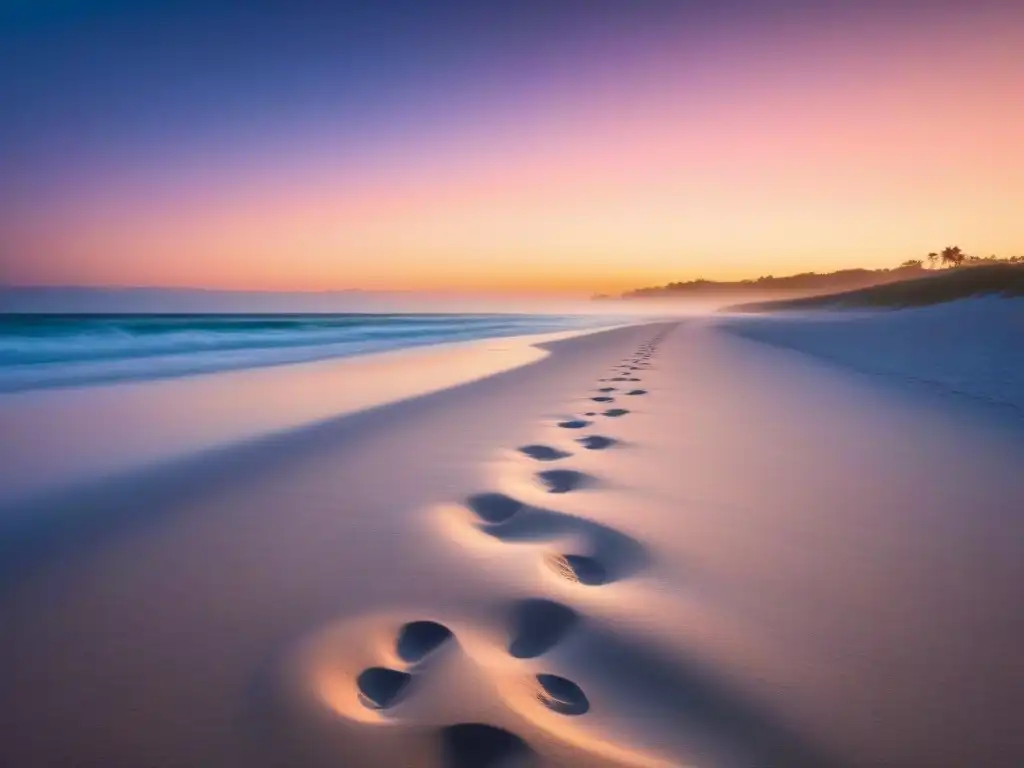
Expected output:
(812, 283)
(1001, 278)
(807, 282)
(953, 256)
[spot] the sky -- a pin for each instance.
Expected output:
(533, 147)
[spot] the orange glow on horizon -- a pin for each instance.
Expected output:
(798, 156)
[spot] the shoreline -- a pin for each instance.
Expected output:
(40, 352)
(55, 430)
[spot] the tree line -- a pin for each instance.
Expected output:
(954, 256)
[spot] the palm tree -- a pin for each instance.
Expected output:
(952, 256)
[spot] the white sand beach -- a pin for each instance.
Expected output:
(658, 545)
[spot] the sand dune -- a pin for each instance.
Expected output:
(970, 348)
(758, 562)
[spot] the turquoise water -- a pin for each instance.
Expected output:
(73, 350)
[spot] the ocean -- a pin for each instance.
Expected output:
(39, 350)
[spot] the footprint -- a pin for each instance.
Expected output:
(475, 745)
(616, 412)
(603, 399)
(596, 442)
(380, 687)
(637, 392)
(574, 424)
(418, 639)
(561, 695)
(544, 452)
(537, 625)
(599, 555)
(493, 507)
(561, 480)
(735, 728)
(578, 568)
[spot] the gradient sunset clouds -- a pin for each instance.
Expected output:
(573, 146)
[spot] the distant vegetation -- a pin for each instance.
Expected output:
(953, 256)
(807, 282)
(1000, 277)
(814, 283)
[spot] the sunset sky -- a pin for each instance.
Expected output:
(522, 146)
